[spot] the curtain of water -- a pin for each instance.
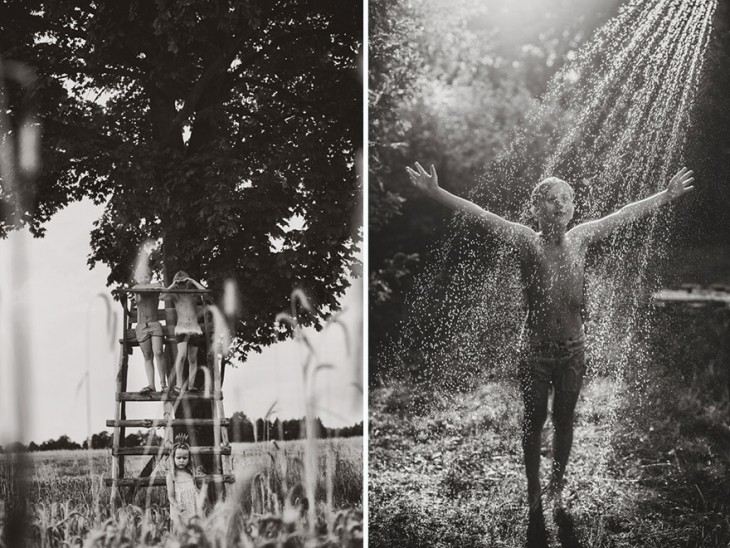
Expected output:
(613, 122)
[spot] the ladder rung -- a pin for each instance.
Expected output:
(156, 449)
(158, 481)
(162, 423)
(159, 396)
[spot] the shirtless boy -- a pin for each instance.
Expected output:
(552, 264)
(187, 329)
(149, 331)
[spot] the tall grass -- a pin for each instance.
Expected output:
(67, 499)
(300, 493)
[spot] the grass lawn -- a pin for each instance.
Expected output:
(648, 469)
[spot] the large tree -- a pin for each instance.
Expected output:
(225, 130)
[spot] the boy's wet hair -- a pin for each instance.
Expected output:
(544, 186)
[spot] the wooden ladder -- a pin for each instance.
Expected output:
(178, 413)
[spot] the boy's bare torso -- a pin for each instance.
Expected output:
(147, 303)
(553, 277)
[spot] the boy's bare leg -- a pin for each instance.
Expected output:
(182, 351)
(563, 415)
(160, 359)
(193, 362)
(535, 397)
(149, 368)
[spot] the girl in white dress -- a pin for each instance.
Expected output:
(181, 489)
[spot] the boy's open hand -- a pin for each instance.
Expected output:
(422, 180)
(680, 184)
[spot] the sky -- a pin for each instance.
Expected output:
(64, 305)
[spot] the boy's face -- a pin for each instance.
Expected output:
(555, 207)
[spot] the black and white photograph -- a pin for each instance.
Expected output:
(548, 273)
(351, 273)
(181, 280)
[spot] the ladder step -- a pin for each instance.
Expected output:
(158, 481)
(155, 449)
(159, 396)
(162, 423)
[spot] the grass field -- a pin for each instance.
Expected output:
(69, 504)
(648, 468)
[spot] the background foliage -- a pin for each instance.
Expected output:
(227, 131)
(449, 85)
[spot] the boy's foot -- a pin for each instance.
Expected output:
(163, 388)
(147, 390)
(193, 390)
(174, 391)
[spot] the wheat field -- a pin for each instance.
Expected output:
(69, 504)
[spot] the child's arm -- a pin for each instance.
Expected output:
(196, 284)
(164, 295)
(428, 184)
(593, 231)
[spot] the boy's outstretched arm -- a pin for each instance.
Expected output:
(428, 184)
(593, 231)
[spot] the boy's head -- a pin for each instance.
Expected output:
(143, 274)
(551, 202)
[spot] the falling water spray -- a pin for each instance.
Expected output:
(613, 123)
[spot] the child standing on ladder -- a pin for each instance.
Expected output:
(552, 264)
(149, 330)
(187, 330)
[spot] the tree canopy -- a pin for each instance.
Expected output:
(227, 131)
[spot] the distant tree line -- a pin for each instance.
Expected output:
(240, 429)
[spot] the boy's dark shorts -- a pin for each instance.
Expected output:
(560, 363)
(145, 330)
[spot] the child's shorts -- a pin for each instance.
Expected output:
(145, 330)
(191, 334)
(560, 363)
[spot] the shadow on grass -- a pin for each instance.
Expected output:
(655, 474)
(566, 529)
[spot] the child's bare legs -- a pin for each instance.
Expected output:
(182, 351)
(535, 397)
(149, 368)
(160, 359)
(193, 362)
(563, 414)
